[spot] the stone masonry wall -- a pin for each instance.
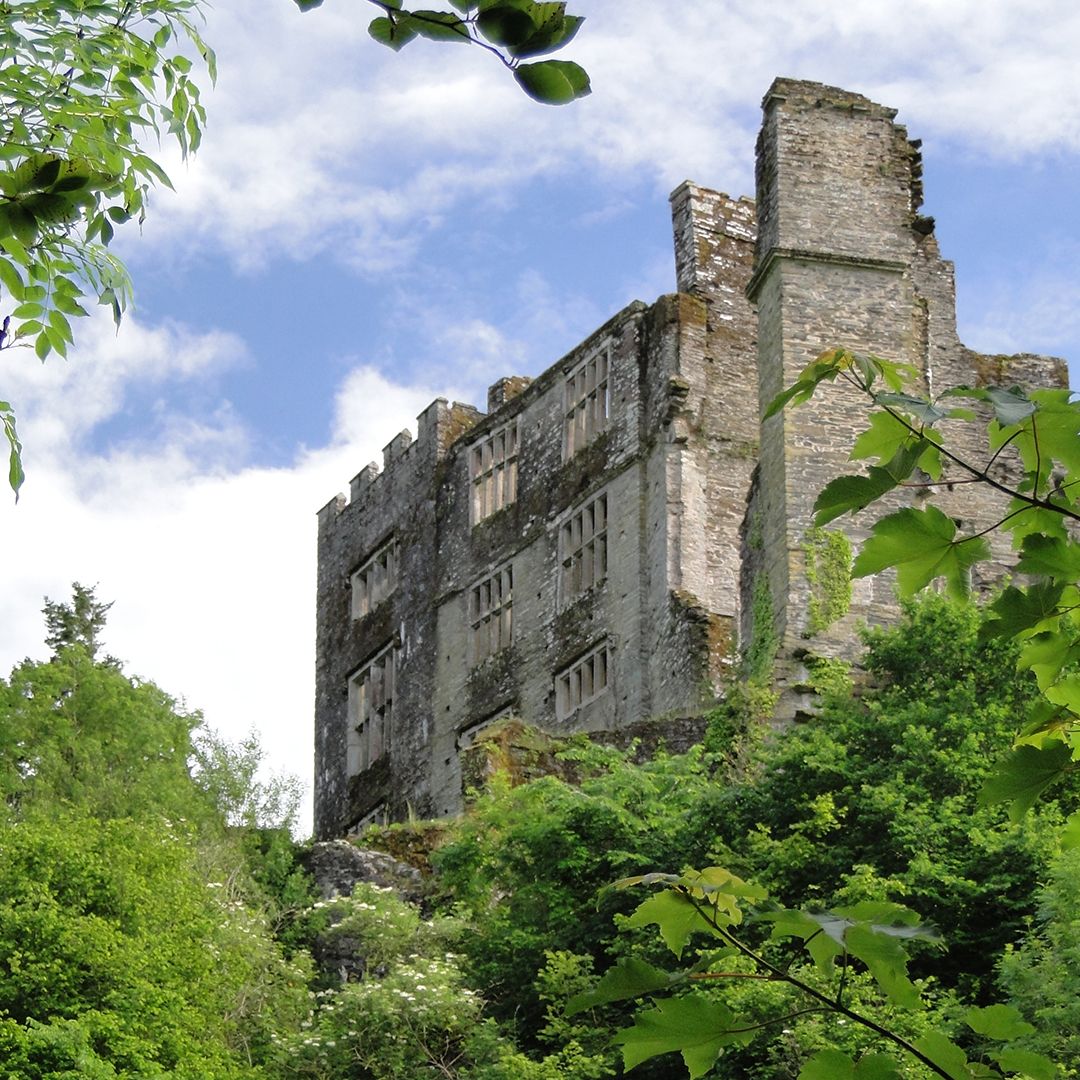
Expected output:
(709, 510)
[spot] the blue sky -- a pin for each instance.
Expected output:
(363, 231)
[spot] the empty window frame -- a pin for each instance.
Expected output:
(491, 613)
(379, 816)
(371, 710)
(376, 579)
(493, 471)
(585, 412)
(470, 735)
(584, 680)
(583, 549)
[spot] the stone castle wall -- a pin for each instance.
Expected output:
(708, 509)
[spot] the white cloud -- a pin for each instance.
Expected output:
(211, 570)
(321, 142)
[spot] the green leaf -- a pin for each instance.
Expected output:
(553, 82)
(998, 1022)
(551, 35)
(1019, 610)
(68, 305)
(28, 311)
(674, 914)
(1023, 775)
(852, 493)
(440, 26)
(1066, 692)
(881, 439)
(394, 32)
(886, 960)
(56, 340)
(825, 368)
(42, 346)
(918, 407)
(920, 545)
(630, 978)
(308, 5)
(1026, 1062)
(1011, 406)
(15, 469)
(1046, 654)
(823, 948)
(1070, 834)
(945, 1054)
(828, 1065)
(505, 25)
(836, 1065)
(1053, 556)
(59, 323)
(11, 279)
(696, 1026)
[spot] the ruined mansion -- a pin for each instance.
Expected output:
(592, 550)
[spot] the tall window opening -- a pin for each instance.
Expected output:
(585, 410)
(493, 471)
(371, 710)
(583, 681)
(583, 557)
(376, 579)
(491, 610)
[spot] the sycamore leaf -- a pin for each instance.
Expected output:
(1011, 406)
(828, 1065)
(1070, 834)
(918, 407)
(822, 947)
(836, 1065)
(1066, 693)
(998, 1022)
(1054, 556)
(674, 914)
(696, 1026)
(1046, 654)
(1023, 775)
(629, 978)
(1026, 520)
(886, 960)
(852, 493)
(826, 367)
(1027, 1063)
(920, 545)
(1019, 610)
(945, 1054)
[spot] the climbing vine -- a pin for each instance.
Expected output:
(827, 554)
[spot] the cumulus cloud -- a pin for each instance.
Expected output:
(211, 567)
(320, 142)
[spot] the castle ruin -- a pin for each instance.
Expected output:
(590, 552)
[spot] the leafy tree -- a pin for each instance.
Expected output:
(77, 623)
(1042, 974)
(136, 925)
(81, 86)
(119, 959)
